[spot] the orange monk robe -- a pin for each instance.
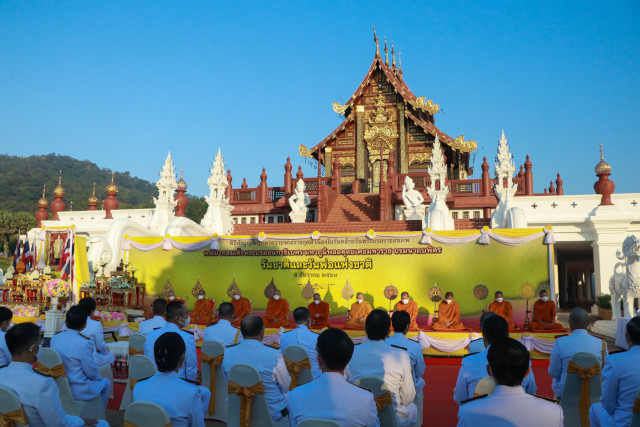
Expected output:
(412, 308)
(504, 310)
(358, 313)
(448, 313)
(322, 310)
(203, 311)
(276, 310)
(544, 312)
(241, 308)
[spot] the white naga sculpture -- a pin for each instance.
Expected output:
(625, 282)
(506, 215)
(218, 216)
(414, 209)
(298, 203)
(438, 216)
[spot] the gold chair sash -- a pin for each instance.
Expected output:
(235, 340)
(246, 394)
(130, 424)
(11, 418)
(585, 375)
(133, 382)
(134, 352)
(636, 406)
(294, 369)
(383, 400)
(213, 363)
(55, 372)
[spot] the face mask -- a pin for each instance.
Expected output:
(276, 297)
(448, 301)
(236, 297)
(172, 298)
(200, 296)
(187, 322)
(405, 301)
(316, 302)
(545, 299)
(499, 299)
(359, 300)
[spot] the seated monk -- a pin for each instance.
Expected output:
(544, 314)
(277, 313)
(171, 296)
(203, 310)
(358, 313)
(410, 307)
(503, 309)
(241, 308)
(319, 312)
(448, 314)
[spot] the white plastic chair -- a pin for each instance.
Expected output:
(318, 422)
(92, 409)
(570, 400)
(387, 415)
(296, 353)
(487, 385)
(136, 344)
(10, 402)
(147, 414)
(140, 368)
(215, 349)
(635, 417)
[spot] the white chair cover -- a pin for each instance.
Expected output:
(146, 414)
(635, 418)
(140, 367)
(485, 386)
(570, 400)
(419, 401)
(296, 353)
(215, 349)
(247, 376)
(387, 415)
(107, 372)
(10, 402)
(318, 422)
(92, 409)
(136, 342)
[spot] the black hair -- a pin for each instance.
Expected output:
(76, 318)
(400, 321)
(494, 329)
(633, 330)
(498, 292)
(21, 336)
(543, 290)
(509, 361)
(88, 304)
(485, 316)
(336, 348)
(167, 351)
(226, 309)
(174, 309)
(448, 293)
(251, 326)
(5, 314)
(301, 315)
(159, 306)
(377, 325)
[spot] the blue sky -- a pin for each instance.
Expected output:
(121, 83)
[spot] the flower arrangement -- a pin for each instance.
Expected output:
(118, 283)
(24, 311)
(56, 288)
(90, 284)
(110, 316)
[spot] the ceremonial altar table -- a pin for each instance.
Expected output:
(621, 330)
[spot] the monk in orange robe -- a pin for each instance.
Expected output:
(203, 310)
(277, 313)
(544, 314)
(448, 314)
(503, 309)
(358, 313)
(410, 307)
(171, 296)
(319, 312)
(241, 308)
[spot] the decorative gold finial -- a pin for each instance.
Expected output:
(375, 39)
(71, 208)
(386, 51)
(60, 178)
(94, 188)
(601, 156)
(393, 55)
(112, 175)
(181, 167)
(44, 187)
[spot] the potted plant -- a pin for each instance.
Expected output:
(603, 302)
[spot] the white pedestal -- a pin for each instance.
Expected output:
(414, 214)
(52, 323)
(605, 327)
(297, 217)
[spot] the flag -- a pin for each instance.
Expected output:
(28, 255)
(16, 254)
(66, 260)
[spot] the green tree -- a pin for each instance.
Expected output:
(196, 208)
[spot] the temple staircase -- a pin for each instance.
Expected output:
(355, 207)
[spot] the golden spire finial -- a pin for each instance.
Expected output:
(71, 208)
(181, 167)
(601, 156)
(393, 55)
(112, 175)
(375, 39)
(386, 51)
(44, 187)
(94, 188)
(60, 178)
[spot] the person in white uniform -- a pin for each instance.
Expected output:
(5, 320)
(401, 320)
(77, 352)
(303, 337)
(477, 345)
(331, 396)
(37, 392)
(184, 401)
(565, 347)
(95, 332)
(157, 321)
(268, 362)
(375, 358)
(474, 367)
(223, 331)
(509, 405)
(620, 383)
(177, 318)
